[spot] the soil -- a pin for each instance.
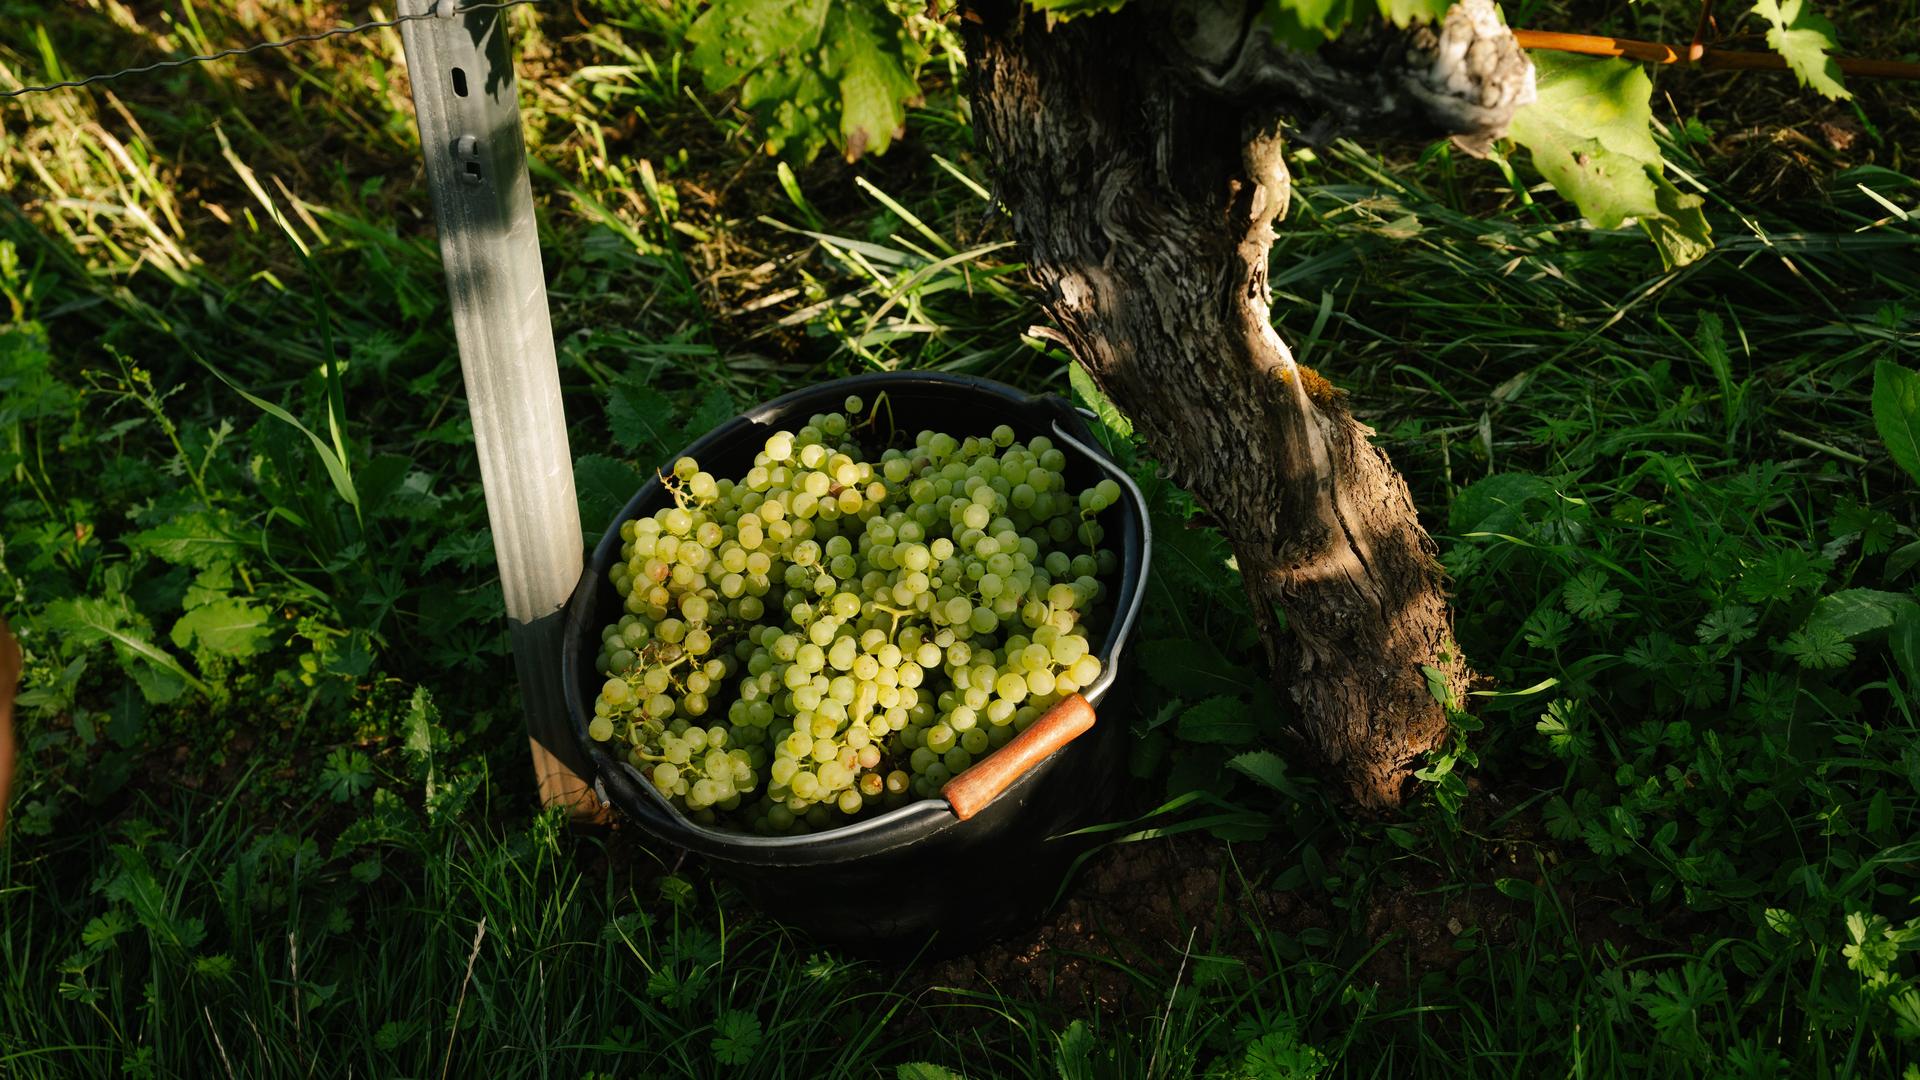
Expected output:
(1156, 907)
(1147, 906)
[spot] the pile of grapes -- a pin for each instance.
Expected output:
(867, 629)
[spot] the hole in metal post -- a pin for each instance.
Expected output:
(459, 82)
(473, 172)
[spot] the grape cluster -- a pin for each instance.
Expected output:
(830, 634)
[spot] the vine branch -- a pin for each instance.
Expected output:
(1654, 52)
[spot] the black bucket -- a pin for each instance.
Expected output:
(916, 878)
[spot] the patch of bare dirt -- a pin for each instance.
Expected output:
(1148, 907)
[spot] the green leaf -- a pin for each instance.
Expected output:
(603, 485)
(1407, 12)
(1516, 888)
(736, 1037)
(1439, 688)
(1191, 667)
(1851, 613)
(215, 966)
(157, 685)
(924, 1070)
(336, 465)
(1102, 406)
(1268, 768)
(229, 627)
(1588, 597)
(28, 391)
(1562, 726)
(419, 726)
(714, 409)
(1734, 623)
(1803, 37)
(1062, 10)
(1494, 504)
(1280, 1055)
(1221, 719)
(90, 621)
(1590, 131)
(348, 773)
(1679, 230)
(1879, 813)
(1782, 922)
(197, 539)
(813, 71)
(1905, 645)
(1563, 823)
(209, 586)
(1816, 647)
(468, 549)
(102, 929)
(640, 419)
(135, 886)
(1325, 18)
(876, 81)
(1896, 413)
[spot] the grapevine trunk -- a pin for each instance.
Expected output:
(1147, 206)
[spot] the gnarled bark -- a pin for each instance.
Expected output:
(1139, 155)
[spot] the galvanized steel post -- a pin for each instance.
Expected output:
(467, 105)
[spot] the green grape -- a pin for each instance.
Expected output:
(861, 628)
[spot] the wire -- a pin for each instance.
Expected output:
(342, 31)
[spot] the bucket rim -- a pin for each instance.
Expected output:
(616, 782)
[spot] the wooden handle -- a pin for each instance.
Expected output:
(9, 678)
(971, 791)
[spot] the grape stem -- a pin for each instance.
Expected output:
(897, 614)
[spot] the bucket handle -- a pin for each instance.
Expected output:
(971, 791)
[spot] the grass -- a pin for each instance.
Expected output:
(306, 844)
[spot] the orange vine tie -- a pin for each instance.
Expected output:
(1654, 52)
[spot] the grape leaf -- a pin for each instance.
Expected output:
(1403, 12)
(1307, 24)
(1327, 16)
(876, 82)
(1590, 131)
(1319, 20)
(228, 627)
(814, 71)
(1679, 231)
(1062, 10)
(1896, 413)
(1802, 36)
